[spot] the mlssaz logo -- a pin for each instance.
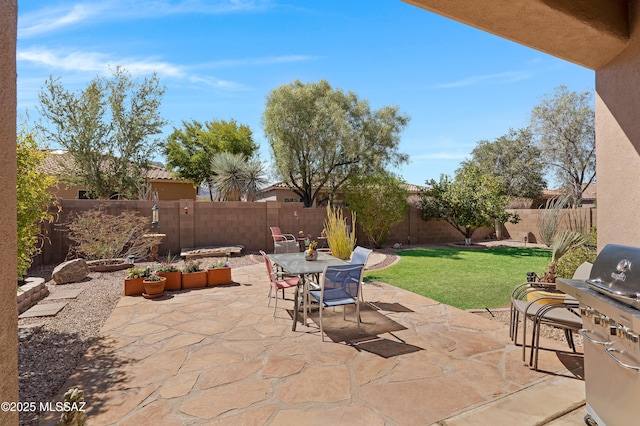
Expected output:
(623, 266)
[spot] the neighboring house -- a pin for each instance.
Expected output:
(159, 180)
(588, 197)
(280, 192)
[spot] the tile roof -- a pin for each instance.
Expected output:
(57, 161)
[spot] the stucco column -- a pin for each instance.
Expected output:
(618, 145)
(8, 228)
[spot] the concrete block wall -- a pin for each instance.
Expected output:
(188, 223)
(529, 219)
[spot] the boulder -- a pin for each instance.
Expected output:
(71, 271)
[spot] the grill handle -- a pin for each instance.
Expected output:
(583, 332)
(610, 352)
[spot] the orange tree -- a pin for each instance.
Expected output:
(472, 200)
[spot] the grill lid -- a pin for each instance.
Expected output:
(616, 273)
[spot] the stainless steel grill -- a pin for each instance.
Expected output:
(610, 308)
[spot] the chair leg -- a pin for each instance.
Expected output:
(321, 308)
(269, 296)
(276, 306)
(358, 315)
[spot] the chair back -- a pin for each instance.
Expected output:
(344, 277)
(360, 256)
(276, 233)
(583, 271)
(269, 266)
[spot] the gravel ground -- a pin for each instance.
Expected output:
(50, 348)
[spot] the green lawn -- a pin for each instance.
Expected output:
(466, 279)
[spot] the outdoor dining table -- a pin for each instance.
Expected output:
(296, 264)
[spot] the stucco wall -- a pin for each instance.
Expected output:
(8, 229)
(618, 145)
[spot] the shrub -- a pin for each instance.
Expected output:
(340, 241)
(219, 264)
(550, 219)
(568, 264)
(167, 265)
(101, 236)
(137, 272)
(191, 266)
(33, 200)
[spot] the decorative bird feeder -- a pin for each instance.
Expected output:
(154, 216)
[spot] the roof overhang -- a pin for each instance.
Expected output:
(590, 33)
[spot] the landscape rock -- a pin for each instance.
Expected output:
(71, 271)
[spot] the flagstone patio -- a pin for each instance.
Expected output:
(218, 356)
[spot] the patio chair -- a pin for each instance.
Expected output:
(283, 243)
(532, 302)
(277, 282)
(359, 257)
(564, 316)
(340, 287)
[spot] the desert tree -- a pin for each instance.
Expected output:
(515, 160)
(107, 129)
(564, 127)
(320, 136)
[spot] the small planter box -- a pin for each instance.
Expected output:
(217, 276)
(194, 279)
(174, 280)
(133, 286)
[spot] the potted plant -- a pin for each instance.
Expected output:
(193, 276)
(219, 273)
(171, 272)
(311, 251)
(133, 283)
(153, 285)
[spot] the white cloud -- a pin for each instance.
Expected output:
(79, 61)
(55, 18)
(505, 77)
(246, 62)
(440, 156)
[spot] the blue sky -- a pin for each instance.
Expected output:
(219, 59)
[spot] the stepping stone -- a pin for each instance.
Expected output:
(43, 310)
(65, 294)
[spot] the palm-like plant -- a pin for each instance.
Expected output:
(562, 243)
(235, 176)
(255, 179)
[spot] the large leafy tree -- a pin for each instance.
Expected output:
(32, 197)
(320, 136)
(563, 124)
(515, 161)
(472, 200)
(191, 149)
(380, 202)
(107, 129)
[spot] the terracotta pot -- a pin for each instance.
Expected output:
(152, 288)
(217, 276)
(174, 280)
(194, 279)
(133, 286)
